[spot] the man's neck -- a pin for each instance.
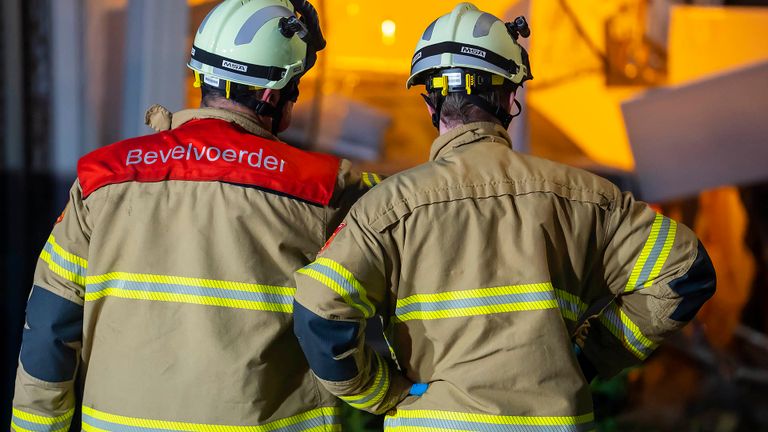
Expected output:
(447, 128)
(264, 122)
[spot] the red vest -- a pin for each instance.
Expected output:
(212, 150)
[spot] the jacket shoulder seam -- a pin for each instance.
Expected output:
(404, 201)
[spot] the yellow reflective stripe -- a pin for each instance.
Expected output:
(482, 301)
(570, 306)
(491, 419)
(668, 242)
(327, 415)
(475, 293)
(88, 428)
(370, 179)
(190, 299)
(74, 259)
(334, 276)
(640, 263)
(367, 180)
(377, 390)
(17, 428)
(61, 271)
(335, 287)
(241, 295)
(40, 423)
(180, 280)
(630, 335)
(414, 429)
(477, 310)
(36, 418)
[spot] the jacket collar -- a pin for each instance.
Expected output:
(160, 119)
(467, 134)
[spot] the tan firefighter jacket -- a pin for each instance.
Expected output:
(168, 282)
(486, 264)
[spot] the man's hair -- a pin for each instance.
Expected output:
(239, 94)
(457, 109)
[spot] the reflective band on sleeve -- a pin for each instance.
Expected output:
(334, 276)
(371, 179)
(238, 295)
(571, 307)
(654, 254)
(619, 324)
(428, 420)
(482, 301)
(318, 420)
(376, 391)
(65, 264)
(23, 421)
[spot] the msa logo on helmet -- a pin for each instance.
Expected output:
(416, 58)
(473, 51)
(234, 66)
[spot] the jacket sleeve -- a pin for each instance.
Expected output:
(346, 285)
(351, 186)
(44, 397)
(658, 274)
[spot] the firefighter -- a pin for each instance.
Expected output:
(167, 282)
(506, 281)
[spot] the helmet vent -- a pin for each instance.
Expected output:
(256, 21)
(484, 24)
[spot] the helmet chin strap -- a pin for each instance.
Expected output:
(436, 110)
(290, 93)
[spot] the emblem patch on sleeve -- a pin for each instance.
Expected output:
(61, 216)
(333, 236)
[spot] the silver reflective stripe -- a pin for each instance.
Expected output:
(434, 61)
(205, 20)
(474, 61)
(256, 21)
(564, 424)
(484, 24)
(231, 76)
(428, 32)
(425, 63)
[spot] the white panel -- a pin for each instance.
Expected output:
(706, 134)
(155, 58)
(68, 80)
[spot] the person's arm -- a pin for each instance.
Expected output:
(346, 285)
(44, 398)
(659, 274)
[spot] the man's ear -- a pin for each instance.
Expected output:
(430, 109)
(511, 99)
(271, 96)
(428, 102)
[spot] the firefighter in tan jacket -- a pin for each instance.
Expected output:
(487, 264)
(167, 283)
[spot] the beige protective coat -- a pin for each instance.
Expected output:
(186, 292)
(486, 264)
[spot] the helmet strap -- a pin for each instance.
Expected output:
(436, 108)
(495, 110)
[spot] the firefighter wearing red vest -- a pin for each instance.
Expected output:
(489, 265)
(167, 282)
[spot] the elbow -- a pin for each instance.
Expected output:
(327, 344)
(695, 287)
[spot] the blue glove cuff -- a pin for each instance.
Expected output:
(418, 389)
